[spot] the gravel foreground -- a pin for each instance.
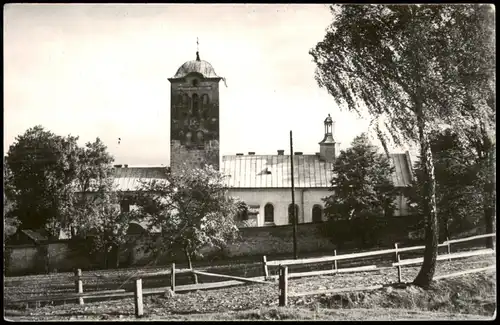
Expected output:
(260, 302)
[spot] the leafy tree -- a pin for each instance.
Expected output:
(106, 225)
(191, 209)
(458, 187)
(410, 67)
(363, 190)
(10, 222)
(56, 184)
(42, 167)
(93, 180)
(95, 202)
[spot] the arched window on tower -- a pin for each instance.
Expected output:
(177, 107)
(185, 106)
(205, 101)
(269, 213)
(185, 100)
(196, 106)
(290, 213)
(317, 214)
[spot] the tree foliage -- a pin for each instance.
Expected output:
(190, 209)
(412, 68)
(54, 183)
(42, 167)
(363, 192)
(107, 226)
(459, 185)
(92, 186)
(10, 222)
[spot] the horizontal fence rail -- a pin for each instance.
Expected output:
(459, 240)
(366, 254)
(230, 277)
(68, 296)
(326, 272)
(321, 292)
(136, 276)
(446, 257)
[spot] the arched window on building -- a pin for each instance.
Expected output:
(244, 215)
(269, 213)
(196, 106)
(125, 206)
(317, 213)
(290, 213)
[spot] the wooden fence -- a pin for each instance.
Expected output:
(283, 277)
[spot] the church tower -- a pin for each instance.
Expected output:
(194, 115)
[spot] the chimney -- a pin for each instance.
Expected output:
(125, 166)
(298, 153)
(118, 166)
(239, 154)
(281, 152)
(251, 153)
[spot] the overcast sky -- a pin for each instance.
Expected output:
(101, 71)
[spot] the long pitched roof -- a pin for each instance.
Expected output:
(273, 171)
(129, 178)
(264, 171)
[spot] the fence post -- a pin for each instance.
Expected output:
(335, 262)
(399, 270)
(396, 257)
(449, 248)
(264, 267)
(79, 284)
(139, 308)
(172, 278)
(283, 285)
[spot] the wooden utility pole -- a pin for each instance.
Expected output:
(294, 217)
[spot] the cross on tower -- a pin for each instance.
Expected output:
(197, 50)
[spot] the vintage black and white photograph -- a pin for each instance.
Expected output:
(249, 162)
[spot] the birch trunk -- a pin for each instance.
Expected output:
(428, 268)
(489, 198)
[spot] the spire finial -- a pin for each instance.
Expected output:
(197, 50)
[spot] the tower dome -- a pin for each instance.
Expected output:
(196, 66)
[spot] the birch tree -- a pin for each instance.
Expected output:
(407, 66)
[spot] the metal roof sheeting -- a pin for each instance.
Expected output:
(273, 171)
(129, 178)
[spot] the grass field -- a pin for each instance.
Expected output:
(467, 297)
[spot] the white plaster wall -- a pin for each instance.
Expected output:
(280, 199)
(305, 198)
